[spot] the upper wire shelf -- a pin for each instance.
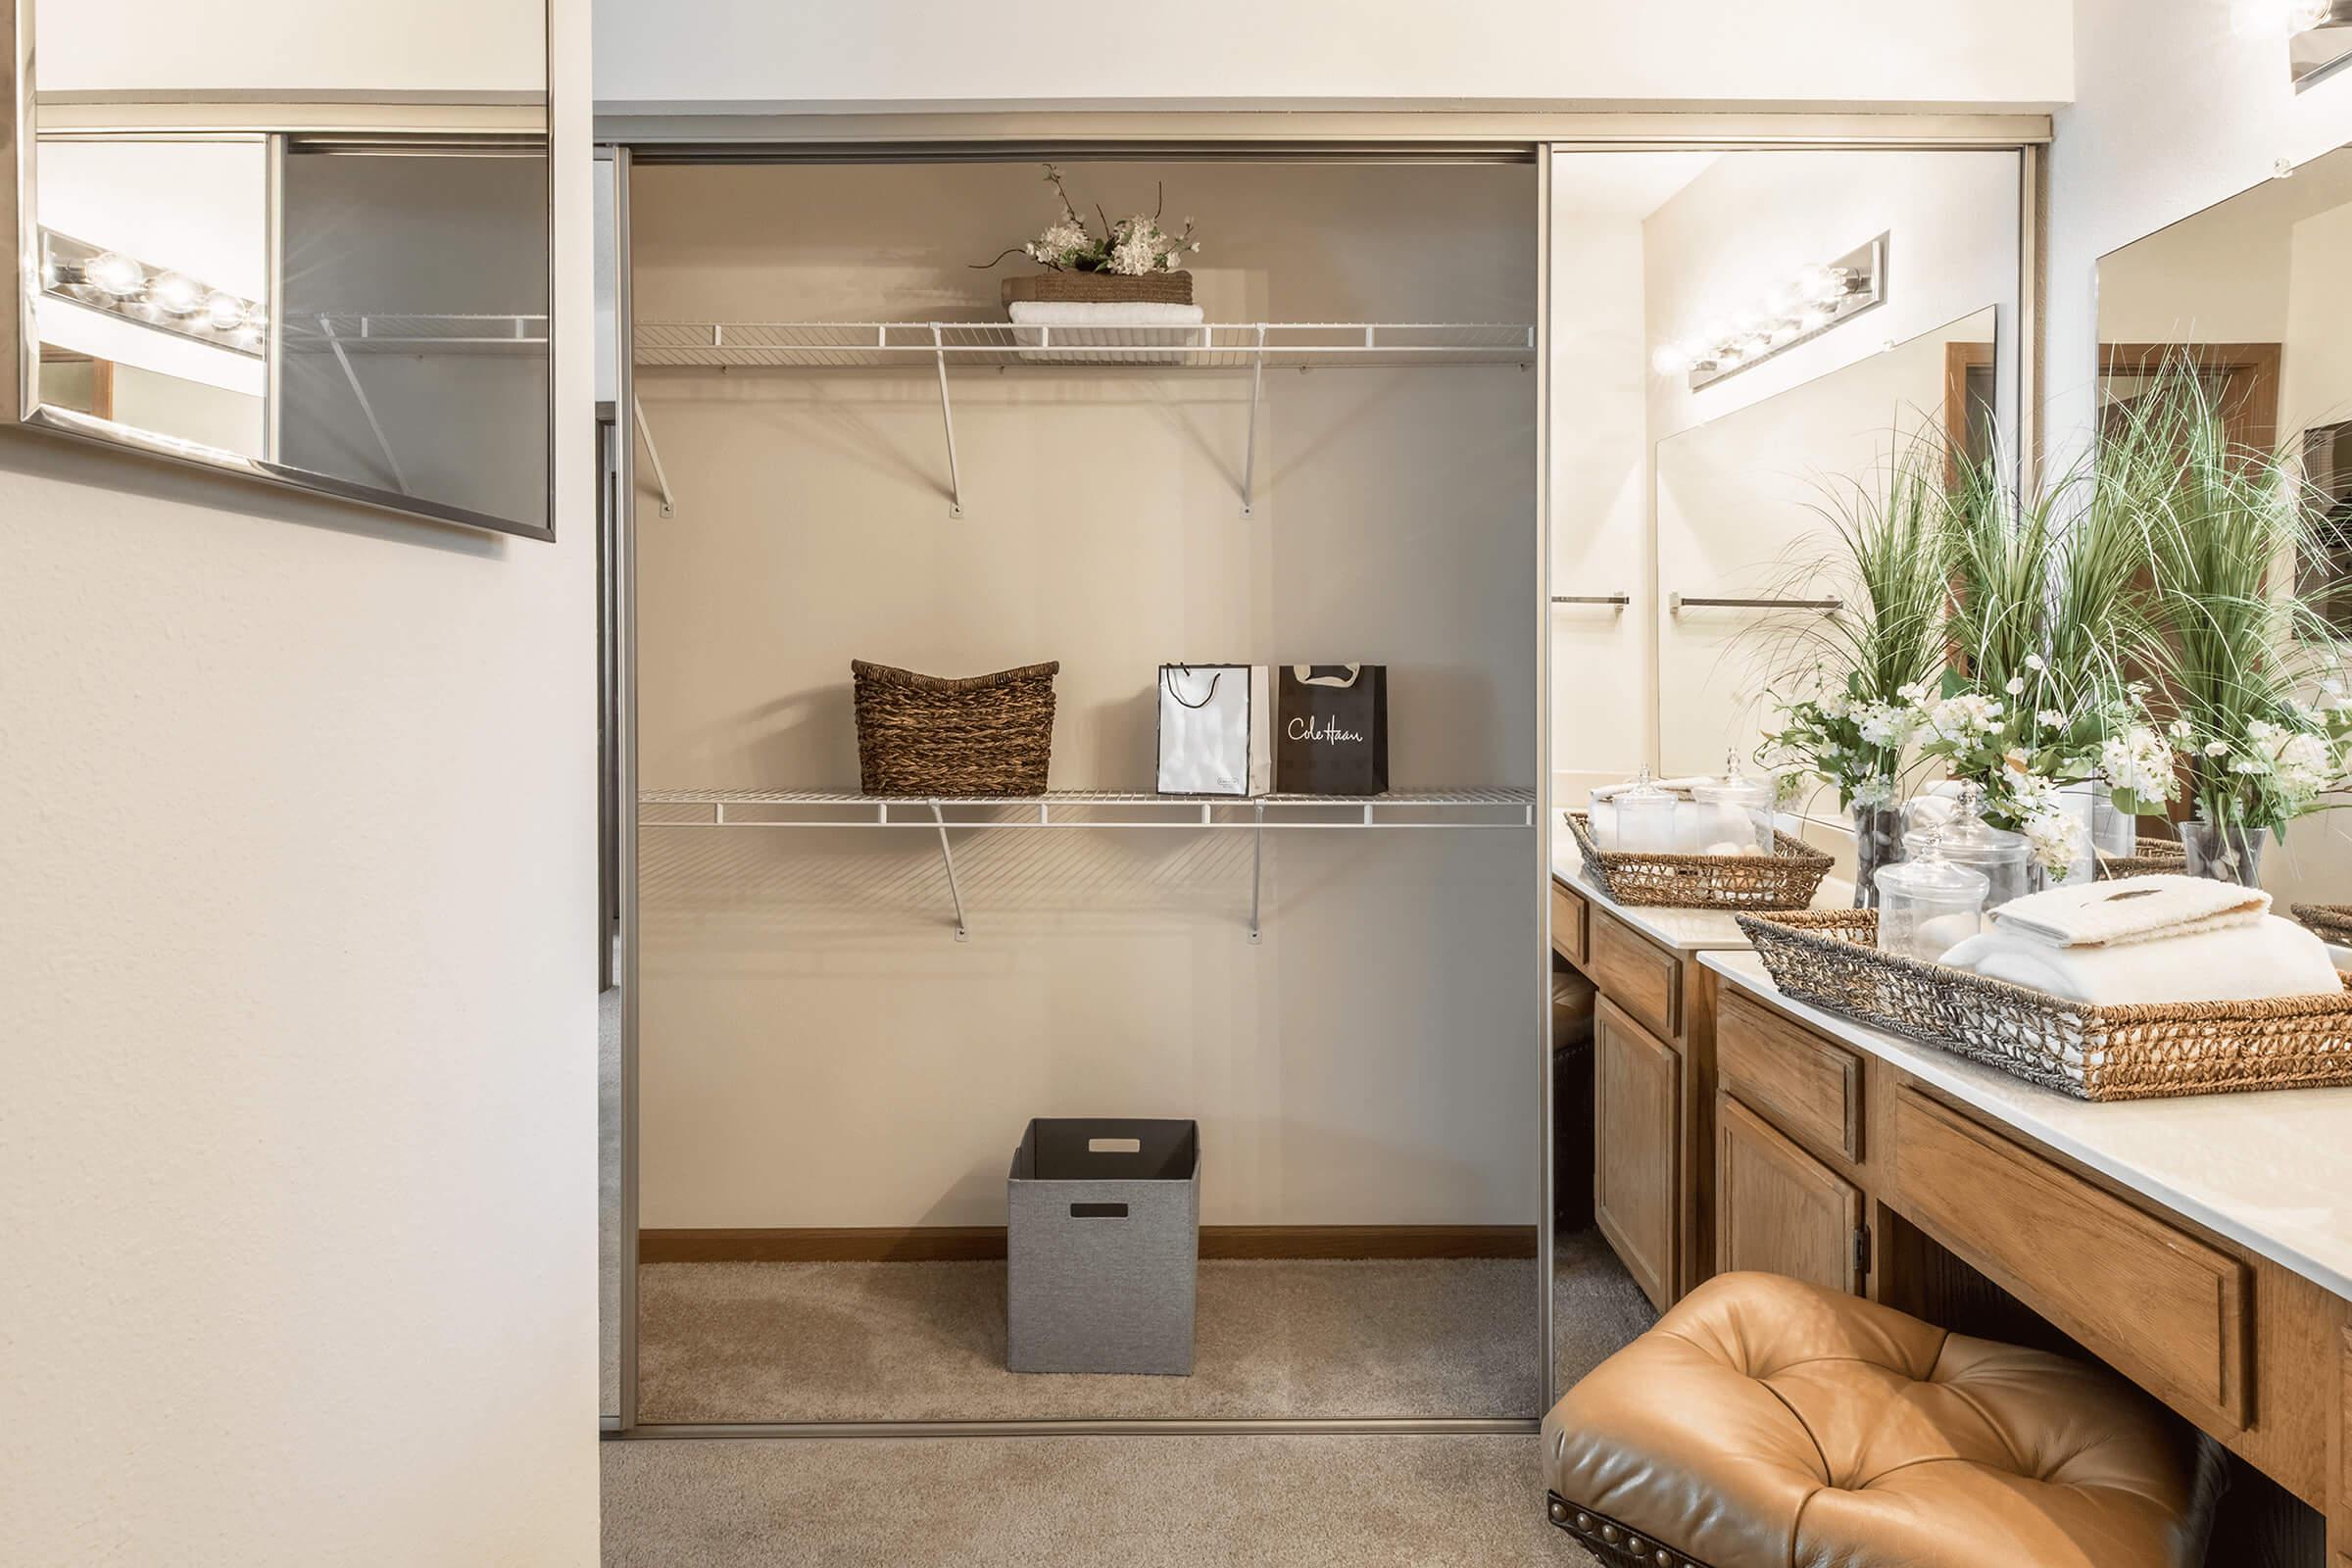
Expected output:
(1208, 346)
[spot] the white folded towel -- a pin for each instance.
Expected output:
(1103, 312)
(1088, 332)
(2132, 908)
(2270, 957)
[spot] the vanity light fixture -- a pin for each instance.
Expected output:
(169, 301)
(1800, 309)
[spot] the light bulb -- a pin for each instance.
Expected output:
(223, 311)
(1671, 358)
(114, 273)
(177, 294)
(2304, 15)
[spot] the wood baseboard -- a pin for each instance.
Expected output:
(962, 1244)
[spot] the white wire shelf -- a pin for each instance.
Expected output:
(1209, 346)
(1091, 809)
(1253, 347)
(1078, 808)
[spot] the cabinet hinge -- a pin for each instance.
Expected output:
(1861, 1251)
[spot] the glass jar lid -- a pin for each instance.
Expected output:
(1928, 877)
(1965, 838)
(1643, 791)
(1732, 787)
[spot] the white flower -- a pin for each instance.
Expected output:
(2050, 718)
(2139, 761)
(1916, 692)
(2016, 686)
(2216, 748)
(2035, 664)
(1963, 717)
(1874, 791)
(2178, 729)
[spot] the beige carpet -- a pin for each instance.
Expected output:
(1081, 1502)
(883, 1341)
(872, 1342)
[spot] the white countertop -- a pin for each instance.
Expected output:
(2271, 1170)
(1684, 930)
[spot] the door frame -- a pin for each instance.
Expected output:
(671, 139)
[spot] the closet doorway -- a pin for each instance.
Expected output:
(847, 1011)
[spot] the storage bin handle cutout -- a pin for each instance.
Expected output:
(1115, 1145)
(1097, 1211)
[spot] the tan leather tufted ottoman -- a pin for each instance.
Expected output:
(1766, 1423)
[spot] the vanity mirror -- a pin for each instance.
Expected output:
(2250, 291)
(307, 244)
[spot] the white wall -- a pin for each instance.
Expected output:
(297, 822)
(297, 47)
(754, 55)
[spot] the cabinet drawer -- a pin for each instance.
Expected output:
(1811, 1088)
(1640, 978)
(2144, 1295)
(1569, 912)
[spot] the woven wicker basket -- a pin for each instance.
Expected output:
(2154, 857)
(1785, 880)
(1100, 288)
(2333, 921)
(980, 735)
(1831, 960)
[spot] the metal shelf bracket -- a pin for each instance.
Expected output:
(653, 453)
(947, 416)
(947, 853)
(1257, 867)
(1257, 388)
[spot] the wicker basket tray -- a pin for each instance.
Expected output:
(2333, 921)
(1787, 879)
(979, 735)
(1832, 961)
(1100, 288)
(2153, 857)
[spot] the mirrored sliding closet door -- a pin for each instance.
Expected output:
(1749, 351)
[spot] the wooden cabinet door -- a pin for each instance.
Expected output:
(1637, 1123)
(1777, 1209)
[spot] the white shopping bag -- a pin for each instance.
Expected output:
(1216, 729)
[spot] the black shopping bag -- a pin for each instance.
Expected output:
(1332, 729)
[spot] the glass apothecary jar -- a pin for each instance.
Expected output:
(1732, 814)
(1927, 905)
(1645, 817)
(1965, 839)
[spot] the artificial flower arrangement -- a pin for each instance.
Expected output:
(1136, 246)
(2123, 631)
(2249, 673)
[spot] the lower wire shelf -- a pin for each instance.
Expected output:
(1089, 808)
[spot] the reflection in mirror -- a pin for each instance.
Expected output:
(2251, 292)
(2319, 43)
(1739, 505)
(330, 270)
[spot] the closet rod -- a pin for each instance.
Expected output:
(1085, 151)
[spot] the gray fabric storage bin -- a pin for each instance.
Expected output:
(1102, 1245)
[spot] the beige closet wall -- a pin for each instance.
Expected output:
(815, 1048)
